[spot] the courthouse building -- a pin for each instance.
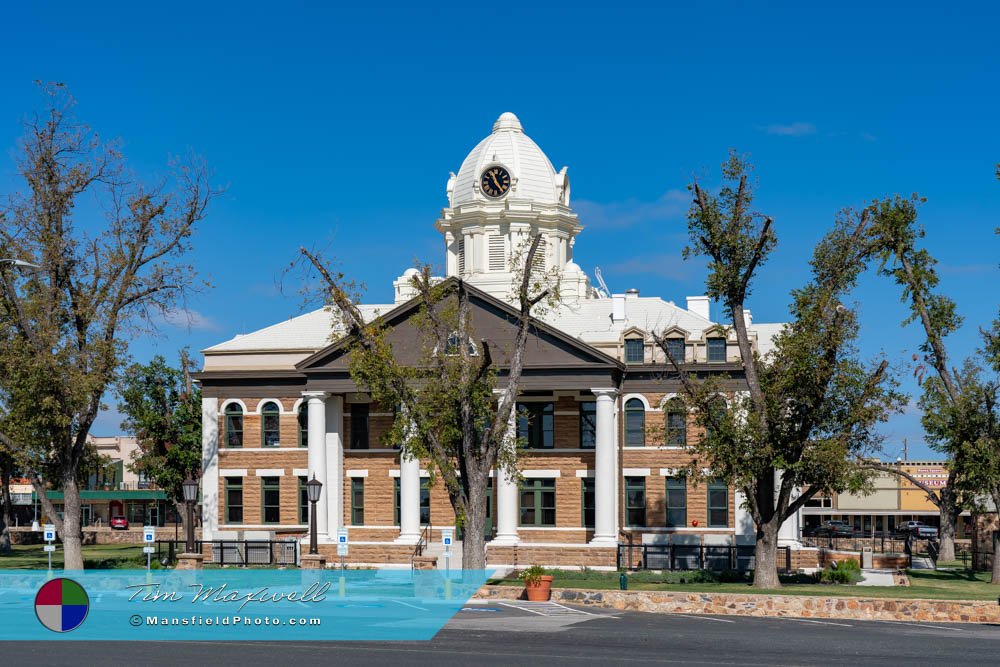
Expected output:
(605, 439)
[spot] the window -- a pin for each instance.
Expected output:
(588, 424)
(234, 425)
(676, 423)
(635, 423)
(425, 501)
(303, 501)
(535, 425)
(717, 349)
(359, 425)
(451, 346)
(357, 501)
(718, 505)
(538, 502)
(270, 429)
(676, 501)
(634, 351)
(234, 500)
(303, 425)
(588, 502)
(677, 349)
(635, 501)
(270, 494)
(716, 417)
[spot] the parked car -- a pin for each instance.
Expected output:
(918, 529)
(834, 529)
(118, 523)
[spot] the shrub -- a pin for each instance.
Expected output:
(841, 572)
(533, 575)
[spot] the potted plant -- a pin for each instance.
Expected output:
(537, 584)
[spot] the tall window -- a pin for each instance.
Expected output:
(677, 349)
(676, 501)
(588, 502)
(303, 501)
(718, 505)
(588, 424)
(357, 501)
(425, 501)
(535, 425)
(716, 349)
(303, 418)
(635, 423)
(270, 425)
(234, 425)
(359, 425)
(635, 501)
(634, 350)
(234, 500)
(676, 423)
(538, 502)
(270, 494)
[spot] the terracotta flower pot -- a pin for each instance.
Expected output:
(539, 592)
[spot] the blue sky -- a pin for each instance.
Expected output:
(336, 127)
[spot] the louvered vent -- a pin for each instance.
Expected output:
(497, 249)
(461, 257)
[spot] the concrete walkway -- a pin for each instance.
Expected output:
(876, 578)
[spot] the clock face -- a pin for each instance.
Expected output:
(495, 181)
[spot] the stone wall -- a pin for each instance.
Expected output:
(796, 606)
(524, 555)
(105, 535)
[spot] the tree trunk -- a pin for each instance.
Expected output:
(181, 508)
(72, 535)
(5, 547)
(995, 577)
(474, 539)
(766, 555)
(948, 520)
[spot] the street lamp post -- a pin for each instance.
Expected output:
(190, 495)
(313, 489)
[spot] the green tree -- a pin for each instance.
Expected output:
(895, 238)
(111, 252)
(810, 406)
(163, 410)
(451, 410)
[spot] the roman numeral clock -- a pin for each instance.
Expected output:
(495, 182)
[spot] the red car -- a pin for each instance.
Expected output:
(118, 523)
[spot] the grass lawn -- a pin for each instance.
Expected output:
(95, 556)
(927, 584)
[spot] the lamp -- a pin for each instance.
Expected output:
(313, 489)
(190, 488)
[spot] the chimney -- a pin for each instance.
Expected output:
(698, 305)
(632, 293)
(617, 307)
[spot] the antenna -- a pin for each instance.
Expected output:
(604, 291)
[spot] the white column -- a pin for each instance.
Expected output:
(605, 471)
(745, 531)
(335, 462)
(209, 467)
(316, 425)
(409, 499)
(788, 533)
(506, 500)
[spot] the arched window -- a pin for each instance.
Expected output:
(717, 415)
(270, 424)
(676, 423)
(635, 423)
(234, 425)
(303, 425)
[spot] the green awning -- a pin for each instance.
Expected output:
(110, 495)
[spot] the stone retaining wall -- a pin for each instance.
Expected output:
(796, 606)
(104, 535)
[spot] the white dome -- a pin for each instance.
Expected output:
(533, 177)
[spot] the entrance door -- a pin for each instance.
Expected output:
(153, 515)
(86, 515)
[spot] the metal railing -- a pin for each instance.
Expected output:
(235, 552)
(738, 558)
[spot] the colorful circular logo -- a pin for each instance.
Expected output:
(61, 605)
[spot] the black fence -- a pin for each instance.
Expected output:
(885, 544)
(694, 557)
(235, 552)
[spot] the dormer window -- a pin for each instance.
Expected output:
(634, 350)
(676, 349)
(717, 350)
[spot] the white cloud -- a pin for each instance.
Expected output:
(185, 318)
(672, 205)
(798, 129)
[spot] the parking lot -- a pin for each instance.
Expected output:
(499, 633)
